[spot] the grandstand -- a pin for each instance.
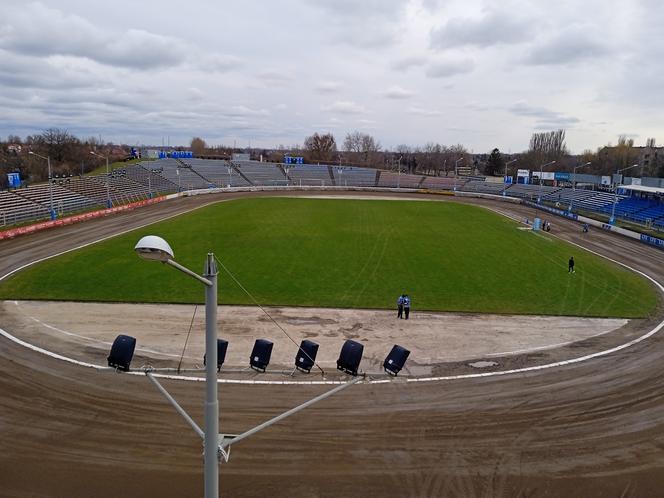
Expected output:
(64, 200)
(350, 175)
(310, 174)
(262, 173)
(144, 180)
(391, 180)
(15, 209)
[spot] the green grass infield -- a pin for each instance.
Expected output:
(348, 254)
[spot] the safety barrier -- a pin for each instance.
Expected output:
(70, 220)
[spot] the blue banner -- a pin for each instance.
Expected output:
(562, 176)
(14, 180)
(551, 210)
(653, 241)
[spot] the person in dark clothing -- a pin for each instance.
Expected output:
(571, 265)
(406, 305)
(400, 306)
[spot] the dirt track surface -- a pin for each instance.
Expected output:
(588, 429)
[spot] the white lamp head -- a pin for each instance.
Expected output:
(154, 248)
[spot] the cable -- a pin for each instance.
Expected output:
(187, 338)
(267, 314)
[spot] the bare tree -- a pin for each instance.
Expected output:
(58, 143)
(198, 146)
(321, 147)
(547, 146)
(363, 148)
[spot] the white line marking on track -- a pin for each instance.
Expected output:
(333, 382)
(548, 346)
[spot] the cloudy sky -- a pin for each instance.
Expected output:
(481, 73)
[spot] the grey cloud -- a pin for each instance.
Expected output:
(344, 107)
(445, 69)
(491, 29)
(54, 73)
(365, 24)
(407, 62)
(420, 111)
(544, 118)
(366, 9)
(569, 46)
(432, 5)
(274, 78)
(396, 92)
(220, 63)
(241, 110)
(328, 86)
(38, 30)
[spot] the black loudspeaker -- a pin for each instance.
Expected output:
(306, 355)
(260, 355)
(395, 360)
(350, 357)
(222, 347)
(122, 352)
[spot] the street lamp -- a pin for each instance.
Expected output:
(505, 179)
(574, 183)
(155, 248)
(612, 220)
(456, 173)
(50, 183)
(216, 445)
(109, 204)
(399, 174)
(539, 194)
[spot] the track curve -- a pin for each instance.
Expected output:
(586, 429)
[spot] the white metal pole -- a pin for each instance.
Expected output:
(211, 454)
(50, 187)
(108, 187)
(615, 199)
(399, 174)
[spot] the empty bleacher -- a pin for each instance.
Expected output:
(264, 174)
(217, 172)
(484, 187)
(177, 174)
(394, 180)
(64, 200)
(15, 209)
(152, 179)
(143, 180)
(309, 174)
(357, 177)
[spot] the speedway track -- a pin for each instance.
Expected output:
(594, 428)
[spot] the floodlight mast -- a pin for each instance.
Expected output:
(155, 248)
(216, 445)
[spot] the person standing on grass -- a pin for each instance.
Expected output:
(400, 306)
(406, 305)
(570, 268)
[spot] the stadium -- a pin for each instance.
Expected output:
(523, 378)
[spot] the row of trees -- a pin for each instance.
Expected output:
(68, 154)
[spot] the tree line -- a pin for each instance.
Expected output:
(71, 155)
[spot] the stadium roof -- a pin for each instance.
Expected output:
(643, 188)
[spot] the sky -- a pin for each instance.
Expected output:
(255, 73)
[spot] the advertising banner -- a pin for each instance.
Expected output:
(14, 180)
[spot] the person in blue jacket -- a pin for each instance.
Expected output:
(400, 306)
(406, 305)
